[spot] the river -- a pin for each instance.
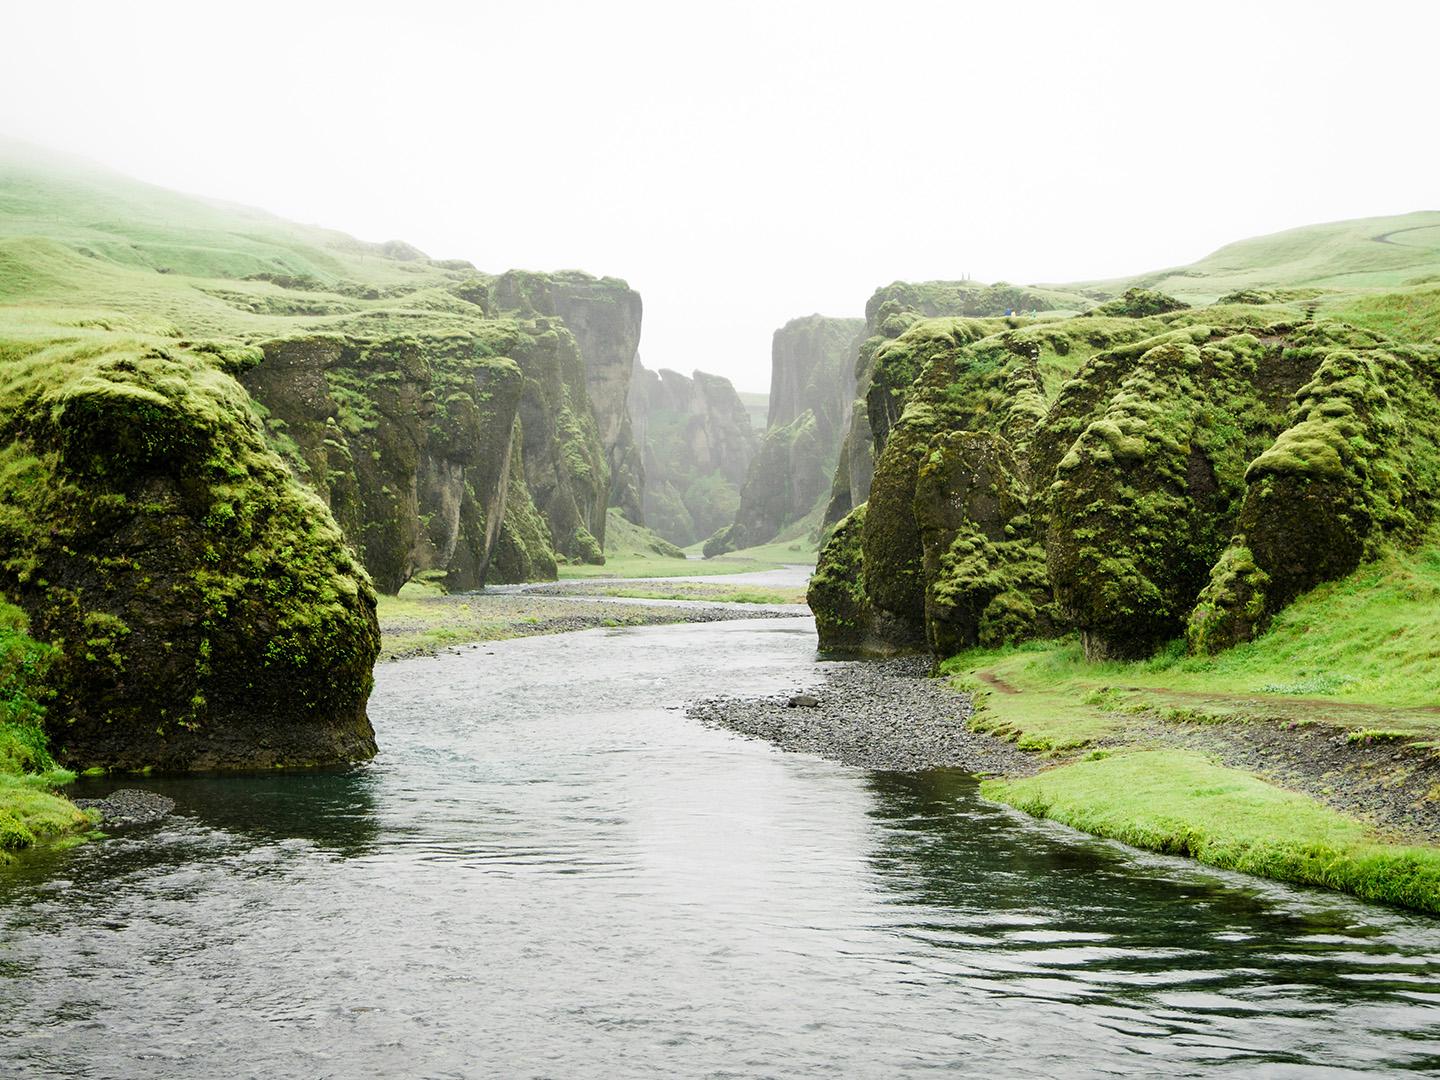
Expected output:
(550, 871)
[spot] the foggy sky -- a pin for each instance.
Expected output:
(743, 164)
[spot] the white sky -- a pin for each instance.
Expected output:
(745, 163)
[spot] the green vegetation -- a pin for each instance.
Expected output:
(29, 811)
(1384, 252)
(1179, 803)
(1370, 637)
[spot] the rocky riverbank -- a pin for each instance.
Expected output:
(887, 715)
(128, 807)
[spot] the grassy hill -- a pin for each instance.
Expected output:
(1366, 253)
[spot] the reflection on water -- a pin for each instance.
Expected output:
(551, 872)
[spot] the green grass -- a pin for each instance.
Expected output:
(1370, 640)
(1179, 803)
(1366, 253)
(1405, 314)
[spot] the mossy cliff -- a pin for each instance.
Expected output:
(206, 612)
(604, 315)
(1357, 465)
(809, 411)
(698, 444)
(407, 439)
(1129, 477)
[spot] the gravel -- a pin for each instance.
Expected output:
(879, 714)
(129, 807)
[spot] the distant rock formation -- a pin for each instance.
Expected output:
(697, 442)
(810, 390)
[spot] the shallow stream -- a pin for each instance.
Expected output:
(550, 872)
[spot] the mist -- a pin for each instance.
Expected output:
(744, 164)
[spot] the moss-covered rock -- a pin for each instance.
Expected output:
(984, 569)
(1358, 464)
(837, 588)
(1138, 303)
(207, 611)
(407, 439)
(604, 315)
(1078, 474)
(1145, 499)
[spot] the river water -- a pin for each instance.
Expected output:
(550, 872)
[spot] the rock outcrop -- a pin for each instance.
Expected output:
(207, 611)
(1132, 478)
(604, 315)
(698, 444)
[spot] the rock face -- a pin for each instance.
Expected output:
(810, 382)
(208, 613)
(1132, 478)
(698, 444)
(604, 315)
(408, 441)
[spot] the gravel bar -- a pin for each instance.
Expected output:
(888, 715)
(129, 807)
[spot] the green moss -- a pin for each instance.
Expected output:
(837, 593)
(1178, 803)
(1139, 303)
(1358, 465)
(147, 529)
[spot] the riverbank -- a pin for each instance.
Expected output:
(1299, 790)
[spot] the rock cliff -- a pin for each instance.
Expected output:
(408, 441)
(207, 612)
(604, 315)
(698, 444)
(878, 389)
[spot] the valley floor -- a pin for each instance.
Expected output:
(421, 622)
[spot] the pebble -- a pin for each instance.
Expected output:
(881, 714)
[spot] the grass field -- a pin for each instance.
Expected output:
(1366, 253)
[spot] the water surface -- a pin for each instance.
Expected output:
(551, 872)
